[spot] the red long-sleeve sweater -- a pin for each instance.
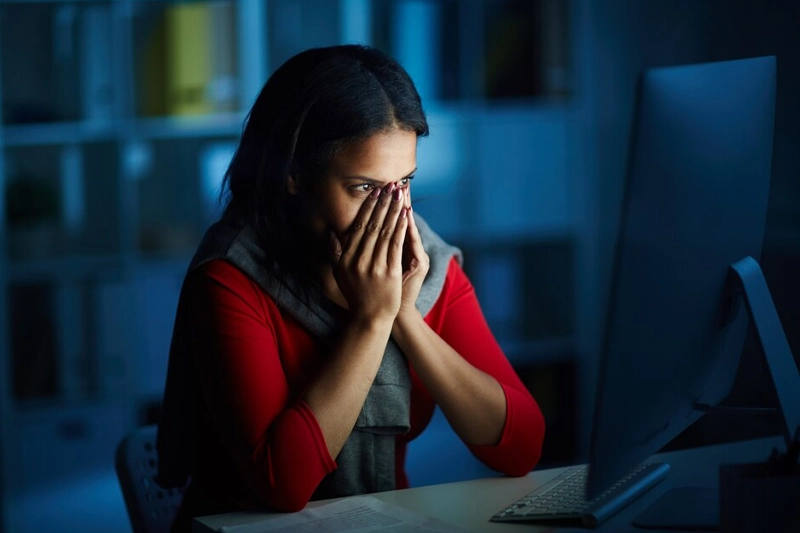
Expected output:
(259, 444)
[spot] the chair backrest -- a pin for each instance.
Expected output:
(151, 509)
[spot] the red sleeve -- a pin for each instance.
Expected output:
(238, 349)
(458, 319)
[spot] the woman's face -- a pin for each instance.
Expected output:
(355, 170)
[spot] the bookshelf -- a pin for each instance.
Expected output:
(99, 195)
(117, 116)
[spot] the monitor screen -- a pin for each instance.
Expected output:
(695, 203)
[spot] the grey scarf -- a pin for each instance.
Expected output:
(366, 462)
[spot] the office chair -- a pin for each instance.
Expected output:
(151, 509)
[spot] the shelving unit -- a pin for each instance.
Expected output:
(105, 190)
(100, 208)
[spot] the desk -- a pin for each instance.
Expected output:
(469, 504)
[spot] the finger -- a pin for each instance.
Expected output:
(359, 225)
(334, 247)
(394, 254)
(414, 239)
(372, 230)
(417, 256)
(389, 228)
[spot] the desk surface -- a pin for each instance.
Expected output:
(469, 504)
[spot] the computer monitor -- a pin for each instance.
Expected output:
(695, 205)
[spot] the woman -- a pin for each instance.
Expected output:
(321, 320)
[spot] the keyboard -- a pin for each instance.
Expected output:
(563, 498)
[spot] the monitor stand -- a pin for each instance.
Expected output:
(697, 508)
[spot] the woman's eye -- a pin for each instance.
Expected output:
(364, 187)
(405, 182)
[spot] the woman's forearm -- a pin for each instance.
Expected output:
(337, 393)
(472, 400)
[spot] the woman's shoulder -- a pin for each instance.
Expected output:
(219, 278)
(456, 286)
(456, 277)
(218, 270)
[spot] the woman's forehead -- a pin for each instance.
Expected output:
(382, 157)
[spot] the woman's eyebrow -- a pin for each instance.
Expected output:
(373, 181)
(363, 179)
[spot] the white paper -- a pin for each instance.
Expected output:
(361, 514)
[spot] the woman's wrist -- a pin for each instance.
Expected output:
(371, 323)
(405, 320)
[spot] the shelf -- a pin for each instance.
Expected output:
(37, 270)
(172, 260)
(487, 240)
(45, 409)
(55, 2)
(60, 133)
(214, 125)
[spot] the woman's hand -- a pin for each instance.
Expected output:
(368, 266)
(416, 264)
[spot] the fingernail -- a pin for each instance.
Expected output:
(403, 213)
(389, 188)
(375, 192)
(397, 195)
